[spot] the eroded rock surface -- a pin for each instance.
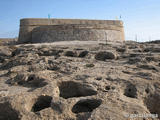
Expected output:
(79, 81)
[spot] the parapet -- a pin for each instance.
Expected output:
(49, 30)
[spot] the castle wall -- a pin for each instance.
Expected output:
(49, 30)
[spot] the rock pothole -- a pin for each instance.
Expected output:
(47, 52)
(32, 81)
(103, 55)
(153, 103)
(90, 65)
(83, 54)
(70, 54)
(122, 50)
(130, 91)
(107, 87)
(69, 89)
(41, 103)
(7, 112)
(86, 105)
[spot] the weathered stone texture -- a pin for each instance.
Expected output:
(75, 32)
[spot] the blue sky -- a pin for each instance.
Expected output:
(141, 17)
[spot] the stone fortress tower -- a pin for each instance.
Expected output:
(36, 30)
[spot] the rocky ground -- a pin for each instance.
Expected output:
(8, 41)
(80, 81)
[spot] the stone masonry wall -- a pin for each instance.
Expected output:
(52, 30)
